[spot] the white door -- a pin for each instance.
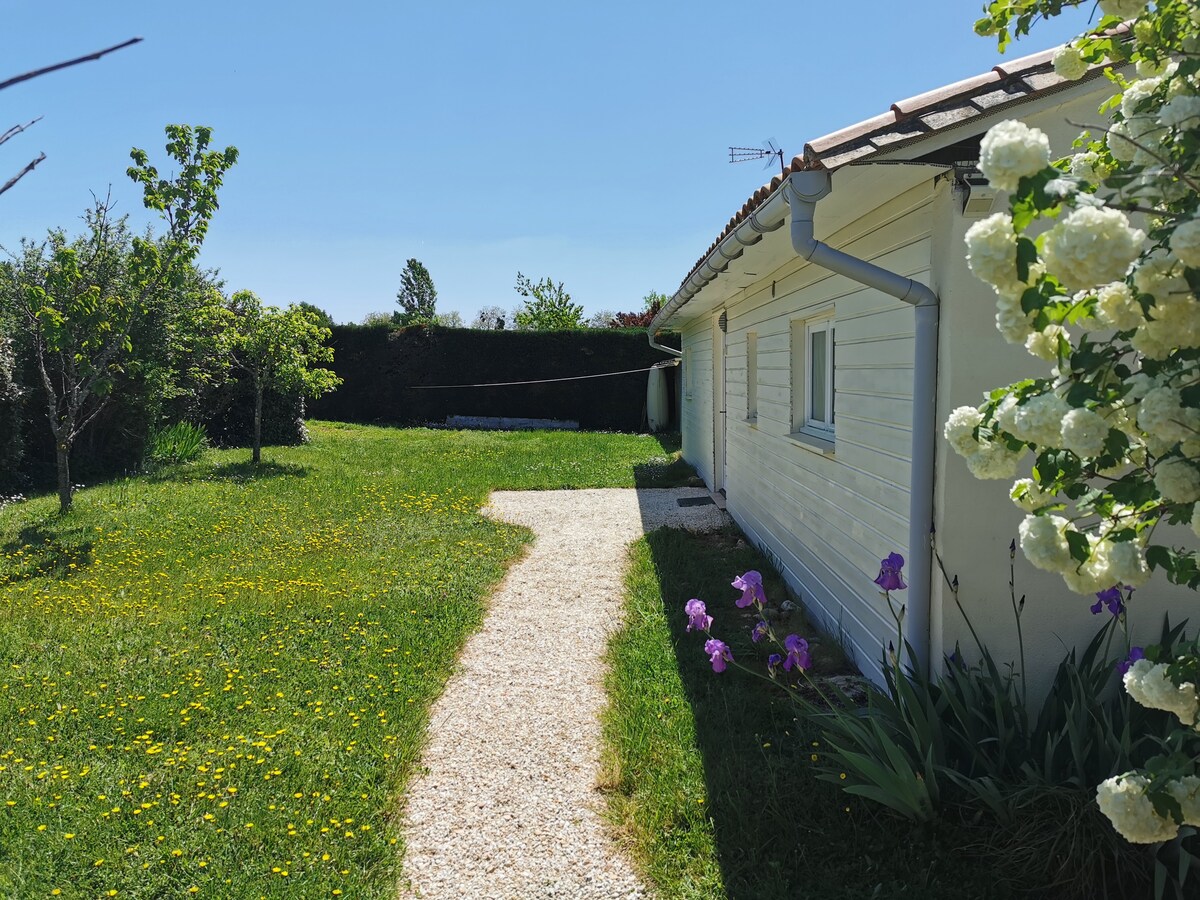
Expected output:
(719, 405)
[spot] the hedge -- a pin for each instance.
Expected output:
(407, 376)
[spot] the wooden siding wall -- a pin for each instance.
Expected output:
(828, 518)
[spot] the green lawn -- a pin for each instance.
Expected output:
(215, 682)
(712, 779)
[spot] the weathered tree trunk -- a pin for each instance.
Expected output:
(63, 454)
(258, 404)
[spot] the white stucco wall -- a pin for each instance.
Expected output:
(975, 519)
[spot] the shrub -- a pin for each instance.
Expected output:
(177, 443)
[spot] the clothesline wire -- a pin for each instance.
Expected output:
(435, 387)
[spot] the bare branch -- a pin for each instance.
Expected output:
(17, 129)
(25, 171)
(17, 79)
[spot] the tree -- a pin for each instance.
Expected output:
(82, 300)
(651, 304)
(605, 318)
(547, 306)
(279, 350)
(452, 319)
(324, 319)
(417, 295)
(1115, 430)
(376, 319)
(490, 318)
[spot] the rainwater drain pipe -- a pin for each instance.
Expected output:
(803, 189)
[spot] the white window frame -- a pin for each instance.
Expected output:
(813, 433)
(824, 325)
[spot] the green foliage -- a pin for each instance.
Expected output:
(417, 295)
(964, 739)
(244, 614)
(713, 780)
(178, 443)
(322, 318)
(547, 306)
(388, 373)
(12, 448)
(83, 300)
(278, 350)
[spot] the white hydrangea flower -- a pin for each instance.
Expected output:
(1044, 542)
(1124, 800)
(1044, 344)
(1186, 792)
(994, 461)
(1010, 151)
(1149, 685)
(959, 428)
(992, 251)
(1177, 480)
(1127, 564)
(1119, 145)
(1095, 574)
(1087, 166)
(1011, 321)
(1091, 246)
(1126, 9)
(1174, 322)
(1037, 421)
(1069, 64)
(1027, 494)
(1084, 432)
(1185, 239)
(1162, 414)
(1134, 95)
(1182, 111)
(1117, 308)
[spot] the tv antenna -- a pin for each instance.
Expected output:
(749, 154)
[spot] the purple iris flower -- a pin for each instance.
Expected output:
(698, 618)
(751, 587)
(797, 653)
(889, 577)
(718, 654)
(761, 628)
(1110, 598)
(773, 662)
(1135, 653)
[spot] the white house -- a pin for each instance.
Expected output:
(828, 332)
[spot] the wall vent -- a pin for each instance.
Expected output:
(723, 322)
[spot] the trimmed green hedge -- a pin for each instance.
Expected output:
(387, 375)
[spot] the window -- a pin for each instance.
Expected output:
(752, 375)
(813, 352)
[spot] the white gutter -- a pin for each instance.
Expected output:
(803, 190)
(767, 218)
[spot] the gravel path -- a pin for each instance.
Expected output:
(507, 807)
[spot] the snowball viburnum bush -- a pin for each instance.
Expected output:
(1109, 294)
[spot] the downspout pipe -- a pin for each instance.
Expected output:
(803, 190)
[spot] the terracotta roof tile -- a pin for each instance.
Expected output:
(1024, 63)
(821, 144)
(943, 94)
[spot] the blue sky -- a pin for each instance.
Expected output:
(585, 142)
